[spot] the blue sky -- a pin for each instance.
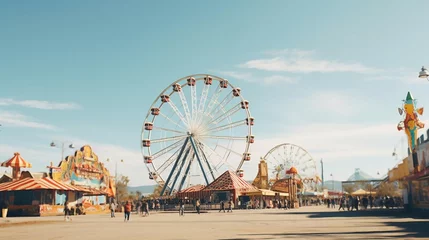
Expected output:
(327, 76)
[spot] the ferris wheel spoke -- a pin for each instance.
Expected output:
(168, 162)
(302, 156)
(167, 139)
(211, 150)
(167, 149)
(229, 125)
(230, 150)
(169, 119)
(221, 105)
(185, 105)
(223, 137)
(194, 103)
(203, 100)
(201, 148)
(227, 114)
(213, 100)
(168, 130)
(178, 113)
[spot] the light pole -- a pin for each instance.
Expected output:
(71, 146)
(116, 177)
(323, 178)
(424, 73)
(332, 182)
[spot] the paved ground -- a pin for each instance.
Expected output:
(303, 223)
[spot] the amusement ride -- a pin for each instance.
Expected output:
(286, 156)
(197, 128)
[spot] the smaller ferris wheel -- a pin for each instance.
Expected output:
(285, 156)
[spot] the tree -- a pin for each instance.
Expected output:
(349, 188)
(387, 189)
(122, 188)
(138, 194)
(157, 192)
(367, 186)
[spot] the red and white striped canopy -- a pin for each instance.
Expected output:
(16, 162)
(37, 184)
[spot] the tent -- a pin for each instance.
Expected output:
(361, 192)
(193, 192)
(230, 182)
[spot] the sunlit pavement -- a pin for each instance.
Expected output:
(304, 223)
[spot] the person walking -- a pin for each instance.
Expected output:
(342, 203)
(229, 206)
(197, 205)
(67, 211)
(112, 209)
(4, 205)
(127, 211)
(181, 208)
(222, 206)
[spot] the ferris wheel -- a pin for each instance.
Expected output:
(197, 128)
(284, 156)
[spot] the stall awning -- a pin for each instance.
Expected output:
(261, 192)
(362, 192)
(36, 184)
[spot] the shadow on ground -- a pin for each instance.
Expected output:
(382, 213)
(406, 228)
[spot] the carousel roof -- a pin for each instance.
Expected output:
(230, 181)
(16, 161)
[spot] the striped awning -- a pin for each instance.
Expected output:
(16, 162)
(37, 184)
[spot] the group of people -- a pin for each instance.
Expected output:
(182, 207)
(230, 206)
(352, 203)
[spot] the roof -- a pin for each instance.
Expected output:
(262, 192)
(194, 188)
(5, 178)
(361, 192)
(16, 161)
(230, 181)
(359, 175)
(37, 184)
(36, 175)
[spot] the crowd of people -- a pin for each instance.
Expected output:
(349, 203)
(354, 203)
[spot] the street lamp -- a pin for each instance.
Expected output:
(424, 73)
(71, 146)
(116, 166)
(323, 179)
(332, 182)
(116, 174)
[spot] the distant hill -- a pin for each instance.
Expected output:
(148, 189)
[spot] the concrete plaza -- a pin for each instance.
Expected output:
(304, 223)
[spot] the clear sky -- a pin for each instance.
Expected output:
(326, 75)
